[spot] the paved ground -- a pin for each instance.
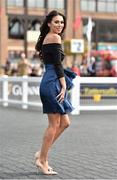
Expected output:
(87, 150)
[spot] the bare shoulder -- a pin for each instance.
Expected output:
(53, 38)
(56, 38)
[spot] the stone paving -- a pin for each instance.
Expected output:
(87, 150)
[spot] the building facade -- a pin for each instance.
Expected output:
(20, 21)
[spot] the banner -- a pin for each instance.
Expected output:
(89, 29)
(77, 22)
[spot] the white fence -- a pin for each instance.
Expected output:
(21, 88)
(76, 92)
(23, 91)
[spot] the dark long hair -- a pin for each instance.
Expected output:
(44, 30)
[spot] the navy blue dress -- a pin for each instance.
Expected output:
(50, 85)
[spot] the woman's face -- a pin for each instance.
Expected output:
(57, 24)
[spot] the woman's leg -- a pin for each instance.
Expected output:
(64, 123)
(54, 123)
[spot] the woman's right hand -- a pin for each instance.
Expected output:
(61, 95)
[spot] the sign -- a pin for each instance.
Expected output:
(32, 36)
(15, 89)
(77, 46)
(105, 91)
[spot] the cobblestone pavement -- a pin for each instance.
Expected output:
(87, 150)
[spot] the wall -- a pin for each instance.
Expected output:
(3, 34)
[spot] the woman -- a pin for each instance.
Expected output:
(54, 85)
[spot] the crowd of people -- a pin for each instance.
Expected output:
(23, 67)
(97, 67)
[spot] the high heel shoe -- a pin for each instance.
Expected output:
(37, 154)
(44, 170)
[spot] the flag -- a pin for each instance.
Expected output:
(88, 34)
(89, 29)
(77, 22)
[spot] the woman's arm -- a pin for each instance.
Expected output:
(63, 82)
(56, 54)
(60, 97)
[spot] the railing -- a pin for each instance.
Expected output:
(25, 92)
(94, 100)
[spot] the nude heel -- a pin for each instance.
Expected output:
(37, 154)
(45, 171)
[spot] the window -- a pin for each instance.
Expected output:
(84, 5)
(110, 6)
(88, 5)
(16, 30)
(106, 6)
(59, 4)
(35, 25)
(103, 30)
(107, 31)
(15, 3)
(36, 3)
(116, 7)
(16, 27)
(101, 6)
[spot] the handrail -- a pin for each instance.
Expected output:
(75, 95)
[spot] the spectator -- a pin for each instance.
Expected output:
(75, 69)
(91, 67)
(13, 72)
(7, 67)
(24, 67)
(37, 70)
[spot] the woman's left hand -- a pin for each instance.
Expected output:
(61, 95)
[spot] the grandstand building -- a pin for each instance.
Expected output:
(20, 21)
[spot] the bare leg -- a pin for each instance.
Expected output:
(54, 123)
(57, 124)
(64, 123)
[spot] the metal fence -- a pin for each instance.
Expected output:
(89, 93)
